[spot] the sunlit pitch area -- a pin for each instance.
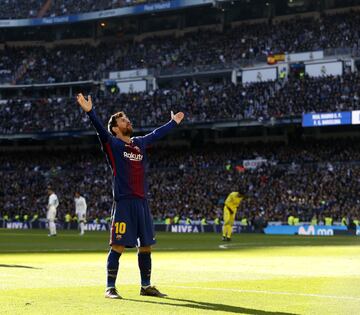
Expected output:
(254, 274)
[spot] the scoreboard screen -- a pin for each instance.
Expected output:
(331, 119)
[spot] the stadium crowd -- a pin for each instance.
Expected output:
(60, 64)
(202, 102)
(303, 179)
(319, 178)
(233, 47)
(19, 9)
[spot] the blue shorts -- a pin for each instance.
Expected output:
(132, 224)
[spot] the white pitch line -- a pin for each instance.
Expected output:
(45, 235)
(268, 292)
(67, 250)
(227, 246)
(47, 250)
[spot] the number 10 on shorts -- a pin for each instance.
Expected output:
(120, 227)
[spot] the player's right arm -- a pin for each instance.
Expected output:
(86, 105)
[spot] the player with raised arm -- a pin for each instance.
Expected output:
(132, 223)
(80, 211)
(53, 203)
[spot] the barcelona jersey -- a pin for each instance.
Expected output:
(128, 160)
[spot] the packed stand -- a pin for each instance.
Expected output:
(319, 178)
(29, 65)
(59, 8)
(20, 9)
(241, 44)
(210, 49)
(201, 102)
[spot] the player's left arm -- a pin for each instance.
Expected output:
(164, 129)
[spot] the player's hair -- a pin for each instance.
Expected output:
(241, 192)
(112, 121)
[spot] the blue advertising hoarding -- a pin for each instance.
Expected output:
(326, 119)
(304, 229)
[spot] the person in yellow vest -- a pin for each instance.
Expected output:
(203, 221)
(291, 220)
(282, 74)
(244, 221)
(26, 219)
(296, 220)
(232, 203)
(344, 221)
(176, 219)
(356, 222)
(108, 221)
(217, 224)
(228, 166)
(5, 220)
(67, 220)
(188, 221)
(314, 220)
(328, 220)
(167, 223)
(34, 219)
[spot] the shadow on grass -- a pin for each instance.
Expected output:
(209, 306)
(17, 266)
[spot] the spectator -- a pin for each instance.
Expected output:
(200, 101)
(327, 181)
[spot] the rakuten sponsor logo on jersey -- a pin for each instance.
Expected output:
(133, 157)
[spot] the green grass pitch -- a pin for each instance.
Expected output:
(254, 274)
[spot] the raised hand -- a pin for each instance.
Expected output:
(86, 105)
(178, 117)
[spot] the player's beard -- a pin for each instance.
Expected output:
(128, 131)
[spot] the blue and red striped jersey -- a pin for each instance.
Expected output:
(128, 160)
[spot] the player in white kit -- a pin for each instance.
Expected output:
(80, 211)
(51, 211)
